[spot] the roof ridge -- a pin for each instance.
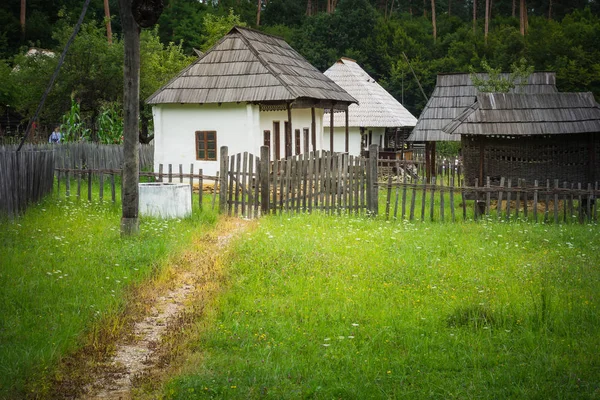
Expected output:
(183, 71)
(263, 62)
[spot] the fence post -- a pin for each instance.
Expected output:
(372, 190)
(263, 177)
(223, 184)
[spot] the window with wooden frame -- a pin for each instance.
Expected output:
(206, 145)
(297, 137)
(305, 131)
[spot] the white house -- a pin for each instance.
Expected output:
(376, 113)
(251, 89)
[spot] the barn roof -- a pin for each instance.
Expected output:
(250, 66)
(454, 93)
(376, 108)
(528, 114)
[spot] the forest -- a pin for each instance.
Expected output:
(436, 36)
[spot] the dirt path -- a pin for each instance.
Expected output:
(194, 277)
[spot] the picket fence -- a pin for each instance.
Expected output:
(251, 186)
(331, 182)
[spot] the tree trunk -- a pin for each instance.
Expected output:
(309, 8)
(433, 21)
(550, 9)
(474, 15)
(487, 20)
(108, 25)
(449, 7)
(514, 8)
(258, 7)
(523, 15)
(131, 98)
(23, 14)
(328, 6)
(425, 8)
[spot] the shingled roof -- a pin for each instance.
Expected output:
(376, 108)
(528, 114)
(454, 93)
(250, 66)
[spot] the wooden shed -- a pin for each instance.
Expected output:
(378, 118)
(453, 94)
(530, 136)
(250, 89)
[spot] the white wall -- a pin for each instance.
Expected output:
(175, 139)
(238, 126)
(354, 140)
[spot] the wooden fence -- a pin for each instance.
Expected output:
(253, 186)
(550, 202)
(336, 183)
(83, 179)
(25, 177)
(89, 155)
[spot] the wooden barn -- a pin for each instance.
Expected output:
(530, 136)
(378, 118)
(453, 94)
(250, 89)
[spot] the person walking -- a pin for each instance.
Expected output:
(56, 136)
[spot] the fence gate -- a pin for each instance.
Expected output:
(332, 182)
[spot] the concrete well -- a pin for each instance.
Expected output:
(165, 200)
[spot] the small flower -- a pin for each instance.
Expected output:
(326, 344)
(354, 324)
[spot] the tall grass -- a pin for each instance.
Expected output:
(63, 270)
(342, 307)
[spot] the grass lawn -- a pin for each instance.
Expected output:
(65, 273)
(352, 308)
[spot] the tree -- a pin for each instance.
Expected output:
(433, 21)
(215, 27)
(496, 83)
(159, 63)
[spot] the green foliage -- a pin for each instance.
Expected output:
(72, 126)
(496, 83)
(110, 123)
(215, 27)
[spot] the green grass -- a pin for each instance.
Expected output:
(64, 269)
(352, 308)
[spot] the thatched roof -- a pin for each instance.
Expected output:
(528, 114)
(251, 66)
(453, 93)
(376, 108)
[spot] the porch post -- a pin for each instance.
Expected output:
(288, 133)
(313, 127)
(331, 129)
(347, 133)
